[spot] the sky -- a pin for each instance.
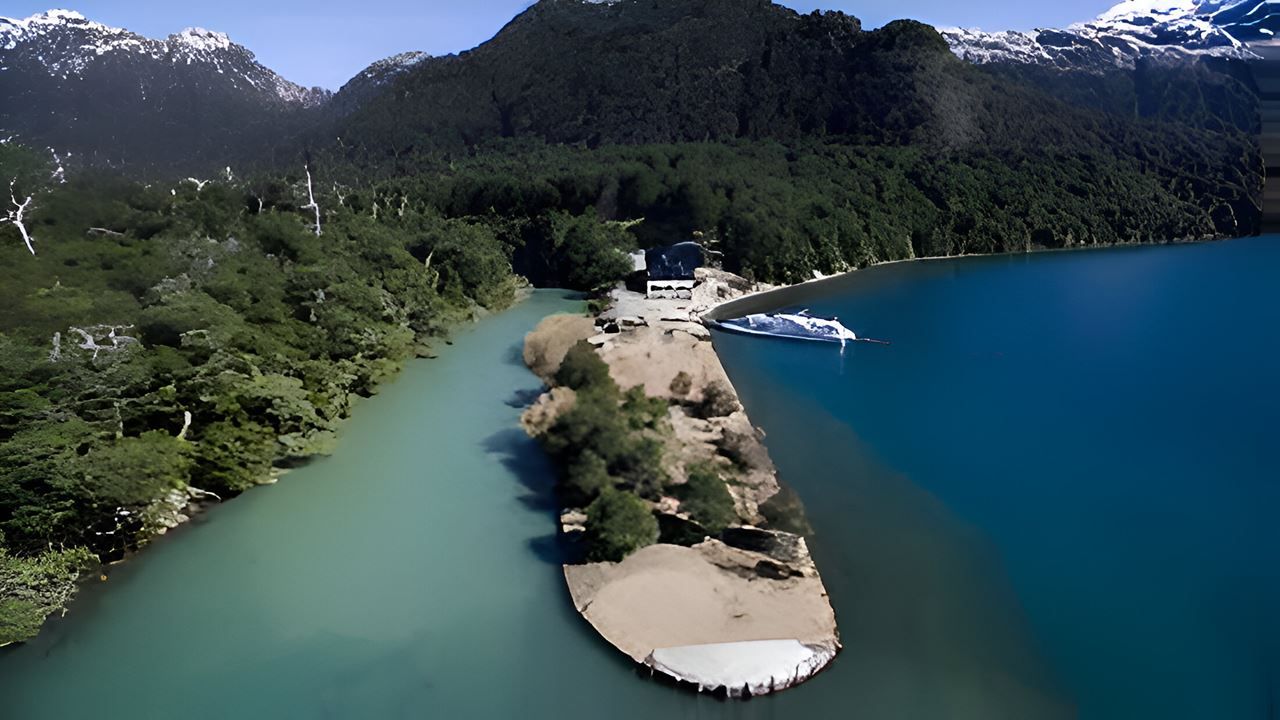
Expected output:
(326, 42)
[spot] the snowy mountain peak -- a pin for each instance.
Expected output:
(1129, 31)
(65, 45)
(387, 68)
(1153, 9)
(201, 39)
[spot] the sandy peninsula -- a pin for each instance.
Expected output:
(742, 613)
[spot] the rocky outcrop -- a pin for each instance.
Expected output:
(545, 347)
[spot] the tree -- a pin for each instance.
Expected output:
(586, 253)
(618, 524)
(585, 478)
(17, 216)
(583, 370)
(134, 471)
(32, 588)
(718, 400)
(706, 498)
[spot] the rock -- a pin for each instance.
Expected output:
(573, 521)
(546, 346)
(781, 546)
(698, 331)
(676, 530)
(542, 414)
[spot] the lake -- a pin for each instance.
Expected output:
(1054, 495)
(1094, 433)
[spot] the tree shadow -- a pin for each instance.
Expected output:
(537, 475)
(521, 399)
(514, 355)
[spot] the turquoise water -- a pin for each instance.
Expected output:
(1051, 497)
(415, 574)
(1101, 426)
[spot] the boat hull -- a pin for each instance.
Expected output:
(739, 330)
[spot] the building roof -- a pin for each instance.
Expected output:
(675, 262)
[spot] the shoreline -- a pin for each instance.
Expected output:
(180, 508)
(741, 612)
(750, 303)
(697, 662)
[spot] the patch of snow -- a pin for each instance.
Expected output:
(201, 39)
(1131, 9)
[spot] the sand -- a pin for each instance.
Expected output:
(665, 597)
(744, 621)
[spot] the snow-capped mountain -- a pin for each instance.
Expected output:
(109, 96)
(1132, 30)
(373, 79)
(65, 45)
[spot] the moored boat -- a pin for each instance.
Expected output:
(798, 325)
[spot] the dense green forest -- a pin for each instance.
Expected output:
(779, 212)
(178, 342)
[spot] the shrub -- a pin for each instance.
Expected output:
(586, 477)
(681, 384)
(639, 464)
(618, 524)
(785, 512)
(582, 369)
(718, 400)
(706, 498)
(642, 411)
(36, 587)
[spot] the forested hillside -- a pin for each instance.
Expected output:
(778, 212)
(170, 344)
(803, 143)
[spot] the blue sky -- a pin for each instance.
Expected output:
(325, 42)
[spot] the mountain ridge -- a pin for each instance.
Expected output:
(77, 43)
(1131, 31)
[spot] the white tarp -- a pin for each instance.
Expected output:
(760, 665)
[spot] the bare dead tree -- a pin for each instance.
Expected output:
(198, 183)
(231, 177)
(342, 196)
(17, 215)
(59, 173)
(103, 231)
(90, 337)
(56, 354)
(312, 204)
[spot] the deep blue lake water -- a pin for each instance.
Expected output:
(1061, 480)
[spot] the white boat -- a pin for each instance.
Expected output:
(791, 325)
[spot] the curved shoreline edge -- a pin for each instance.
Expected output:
(742, 612)
(767, 298)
